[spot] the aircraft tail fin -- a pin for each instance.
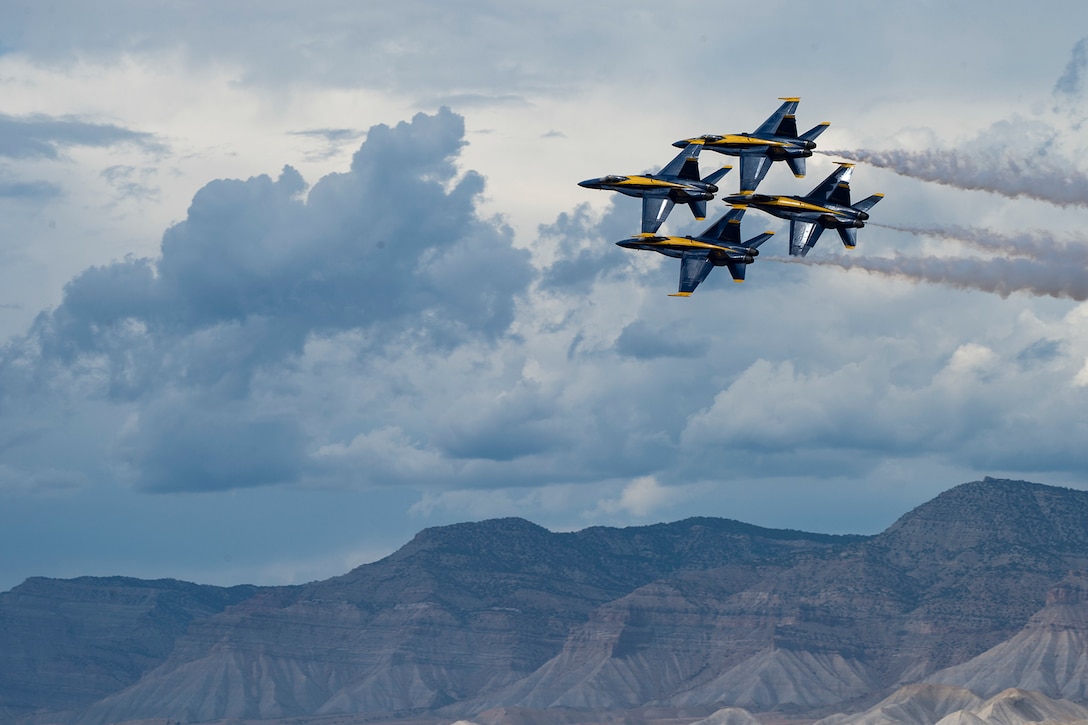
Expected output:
(797, 165)
(698, 209)
(812, 133)
(868, 202)
(849, 236)
(736, 270)
(715, 177)
(727, 227)
(754, 242)
(787, 127)
(686, 163)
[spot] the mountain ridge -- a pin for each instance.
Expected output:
(506, 616)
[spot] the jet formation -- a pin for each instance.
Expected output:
(825, 207)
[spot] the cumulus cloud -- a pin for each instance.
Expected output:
(198, 338)
(374, 330)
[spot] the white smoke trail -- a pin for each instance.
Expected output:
(1039, 245)
(1055, 277)
(1000, 172)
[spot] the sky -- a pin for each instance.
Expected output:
(284, 283)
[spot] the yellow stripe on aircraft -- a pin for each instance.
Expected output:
(680, 294)
(646, 181)
(743, 141)
(682, 242)
(795, 204)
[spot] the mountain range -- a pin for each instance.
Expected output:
(982, 588)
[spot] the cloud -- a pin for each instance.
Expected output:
(28, 190)
(1072, 85)
(131, 183)
(198, 339)
(203, 443)
(639, 340)
(333, 139)
(641, 497)
(43, 137)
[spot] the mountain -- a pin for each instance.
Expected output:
(1049, 655)
(66, 643)
(929, 704)
(458, 611)
(505, 622)
(947, 581)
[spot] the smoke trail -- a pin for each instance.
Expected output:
(1001, 173)
(1003, 276)
(1038, 245)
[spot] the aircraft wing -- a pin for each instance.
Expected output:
(685, 165)
(770, 127)
(694, 267)
(753, 167)
(832, 188)
(803, 236)
(655, 209)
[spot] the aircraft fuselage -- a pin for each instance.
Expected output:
(720, 254)
(798, 208)
(776, 147)
(678, 190)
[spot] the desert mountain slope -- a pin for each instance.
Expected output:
(694, 616)
(1050, 655)
(935, 589)
(458, 611)
(67, 643)
(929, 704)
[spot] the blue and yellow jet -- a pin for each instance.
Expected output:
(825, 207)
(718, 246)
(677, 183)
(775, 140)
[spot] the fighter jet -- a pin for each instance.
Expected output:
(677, 183)
(718, 246)
(775, 140)
(826, 207)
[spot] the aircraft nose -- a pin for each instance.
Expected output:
(588, 183)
